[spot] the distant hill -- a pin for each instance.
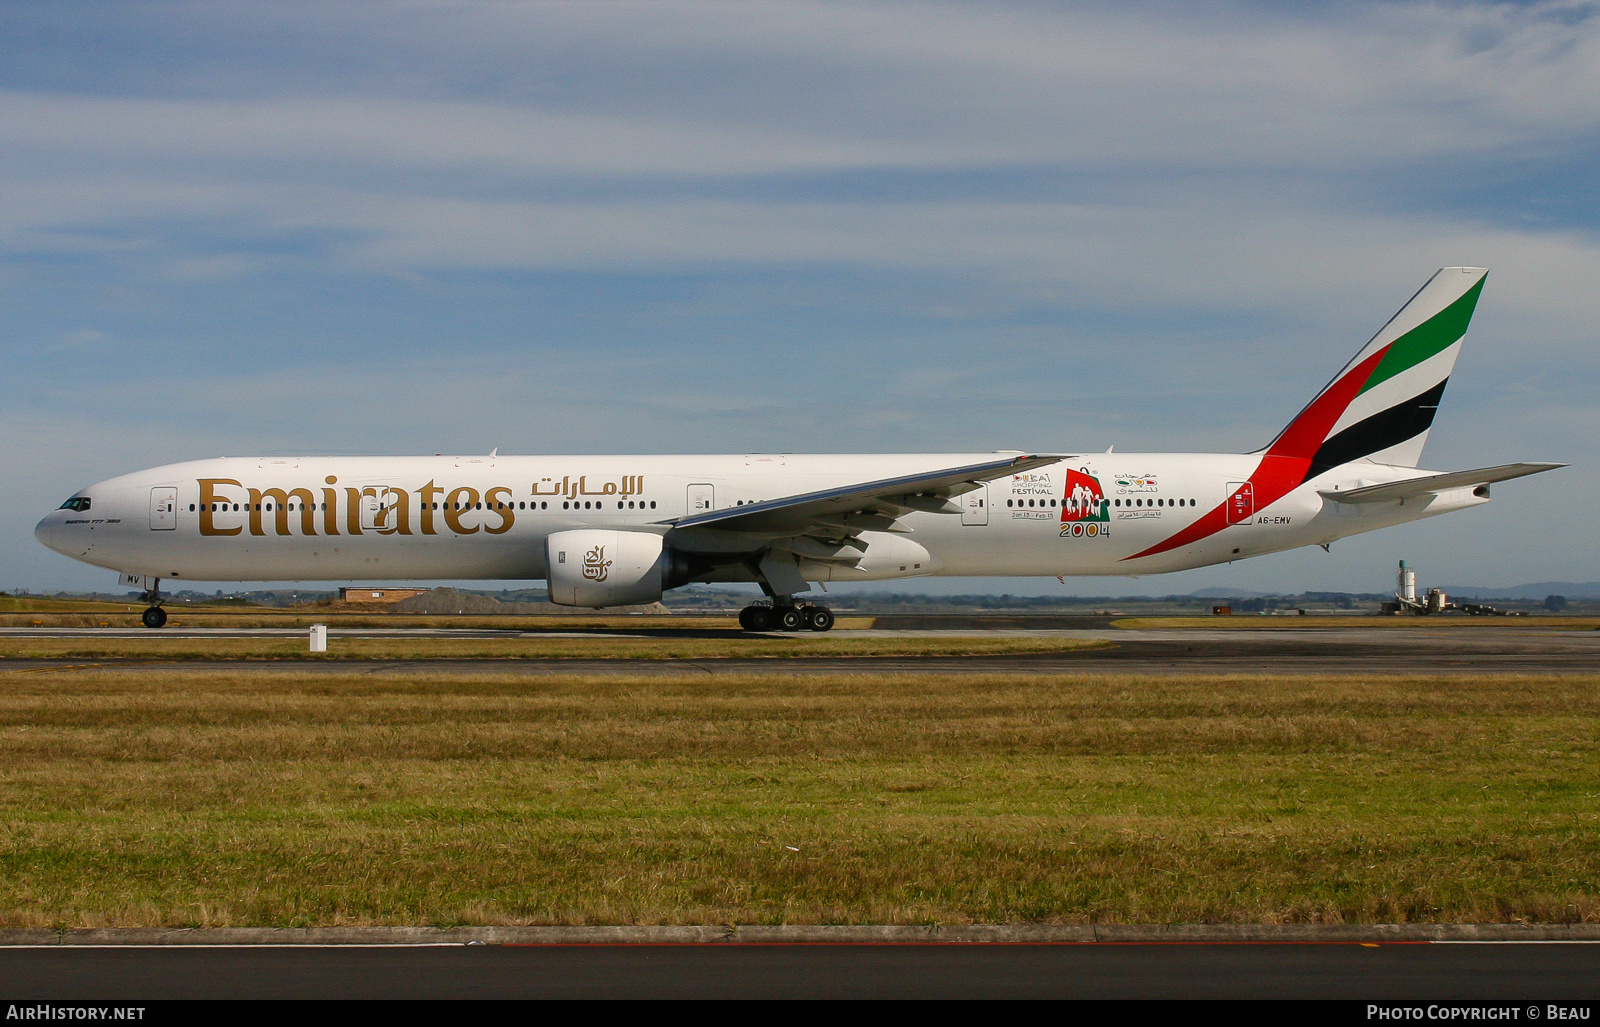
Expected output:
(1535, 591)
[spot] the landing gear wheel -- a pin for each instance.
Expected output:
(787, 618)
(756, 618)
(154, 617)
(819, 618)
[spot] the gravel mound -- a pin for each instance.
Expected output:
(447, 602)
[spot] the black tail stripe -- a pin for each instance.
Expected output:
(1380, 431)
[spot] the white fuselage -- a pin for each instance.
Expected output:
(390, 518)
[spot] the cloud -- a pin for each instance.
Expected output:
(683, 134)
(82, 339)
(715, 88)
(802, 225)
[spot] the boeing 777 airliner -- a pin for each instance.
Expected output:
(617, 530)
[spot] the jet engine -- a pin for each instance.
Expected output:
(592, 567)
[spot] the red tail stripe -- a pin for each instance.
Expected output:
(1284, 466)
(1311, 428)
(1212, 522)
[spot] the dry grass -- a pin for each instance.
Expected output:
(195, 798)
(512, 646)
(1253, 622)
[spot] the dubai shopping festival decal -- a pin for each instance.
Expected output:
(1032, 493)
(1085, 511)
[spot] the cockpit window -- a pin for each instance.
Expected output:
(78, 503)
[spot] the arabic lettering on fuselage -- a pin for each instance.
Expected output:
(384, 509)
(630, 485)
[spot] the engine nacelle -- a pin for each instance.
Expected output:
(593, 567)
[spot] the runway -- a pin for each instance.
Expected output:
(1344, 650)
(1519, 971)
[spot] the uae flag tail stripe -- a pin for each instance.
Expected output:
(1381, 405)
(1392, 385)
(1433, 336)
(1397, 425)
(1284, 465)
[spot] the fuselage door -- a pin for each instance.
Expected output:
(1241, 502)
(163, 508)
(374, 512)
(702, 498)
(975, 505)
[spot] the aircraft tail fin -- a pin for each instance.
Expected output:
(1381, 405)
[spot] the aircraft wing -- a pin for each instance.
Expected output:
(1394, 490)
(869, 506)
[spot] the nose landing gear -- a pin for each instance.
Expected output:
(786, 617)
(154, 616)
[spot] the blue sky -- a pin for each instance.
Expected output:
(238, 228)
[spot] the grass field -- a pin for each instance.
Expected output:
(192, 798)
(513, 647)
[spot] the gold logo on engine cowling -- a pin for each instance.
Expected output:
(595, 564)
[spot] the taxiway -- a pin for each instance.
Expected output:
(1518, 971)
(1345, 650)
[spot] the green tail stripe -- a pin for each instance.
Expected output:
(1434, 335)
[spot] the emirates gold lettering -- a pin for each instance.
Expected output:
(352, 513)
(497, 502)
(209, 499)
(394, 512)
(330, 508)
(278, 501)
(460, 501)
(387, 510)
(426, 496)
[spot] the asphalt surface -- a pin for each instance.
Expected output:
(1342, 650)
(1519, 971)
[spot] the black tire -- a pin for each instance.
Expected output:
(744, 618)
(787, 618)
(154, 617)
(819, 618)
(760, 618)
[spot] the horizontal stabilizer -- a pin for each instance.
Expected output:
(1422, 486)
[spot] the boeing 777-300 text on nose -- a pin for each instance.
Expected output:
(617, 530)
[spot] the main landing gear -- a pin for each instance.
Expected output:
(784, 616)
(154, 616)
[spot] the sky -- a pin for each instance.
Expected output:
(240, 228)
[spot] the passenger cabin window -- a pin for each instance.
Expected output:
(76, 503)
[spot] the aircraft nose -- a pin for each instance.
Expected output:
(47, 530)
